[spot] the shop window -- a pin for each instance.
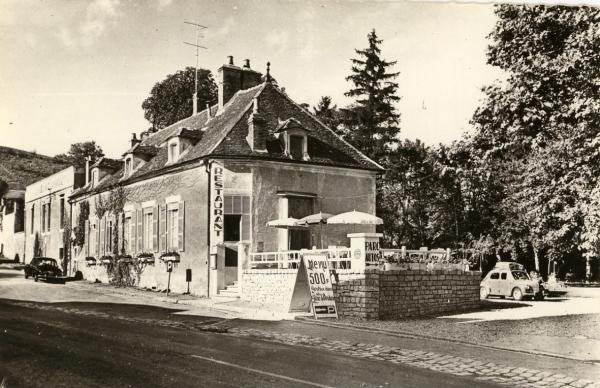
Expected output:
(232, 226)
(236, 223)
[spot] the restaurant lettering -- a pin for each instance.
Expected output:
(217, 201)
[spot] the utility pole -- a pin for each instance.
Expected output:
(198, 28)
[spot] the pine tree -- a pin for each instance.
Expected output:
(327, 112)
(372, 121)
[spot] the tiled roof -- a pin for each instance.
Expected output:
(21, 168)
(224, 133)
(142, 149)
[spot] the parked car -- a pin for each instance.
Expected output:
(553, 287)
(510, 279)
(44, 268)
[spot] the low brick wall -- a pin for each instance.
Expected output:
(269, 286)
(416, 293)
(376, 294)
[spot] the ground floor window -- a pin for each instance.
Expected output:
(299, 207)
(147, 230)
(236, 222)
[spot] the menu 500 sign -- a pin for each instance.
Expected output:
(319, 284)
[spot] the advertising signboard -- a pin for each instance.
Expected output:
(319, 284)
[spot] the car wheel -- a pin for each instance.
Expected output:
(539, 296)
(517, 294)
(484, 292)
(26, 275)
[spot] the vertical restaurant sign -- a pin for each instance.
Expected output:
(319, 284)
(217, 203)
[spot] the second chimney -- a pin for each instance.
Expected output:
(233, 78)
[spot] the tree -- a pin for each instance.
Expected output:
(170, 100)
(537, 133)
(372, 122)
(79, 151)
(327, 113)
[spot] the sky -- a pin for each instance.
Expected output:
(74, 71)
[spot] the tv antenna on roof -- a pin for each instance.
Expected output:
(198, 47)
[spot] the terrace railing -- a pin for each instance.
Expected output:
(340, 259)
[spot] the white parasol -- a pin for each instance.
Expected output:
(319, 218)
(355, 218)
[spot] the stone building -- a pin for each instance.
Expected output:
(199, 191)
(47, 212)
(18, 169)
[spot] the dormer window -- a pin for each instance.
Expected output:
(94, 177)
(173, 150)
(297, 147)
(128, 166)
(294, 137)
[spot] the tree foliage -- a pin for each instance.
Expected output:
(171, 99)
(79, 151)
(372, 122)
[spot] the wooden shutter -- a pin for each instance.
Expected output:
(139, 230)
(102, 236)
(155, 229)
(131, 241)
(181, 227)
(163, 229)
(245, 235)
(97, 239)
(86, 237)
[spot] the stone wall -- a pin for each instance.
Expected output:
(273, 287)
(417, 293)
(376, 294)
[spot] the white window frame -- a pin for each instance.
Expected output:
(172, 225)
(147, 230)
(128, 165)
(288, 137)
(173, 144)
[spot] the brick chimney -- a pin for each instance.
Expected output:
(257, 131)
(134, 140)
(234, 78)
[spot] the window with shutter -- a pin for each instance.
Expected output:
(132, 226)
(163, 229)
(102, 236)
(86, 237)
(181, 226)
(139, 231)
(155, 229)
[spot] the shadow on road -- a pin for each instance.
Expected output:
(115, 310)
(14, 274)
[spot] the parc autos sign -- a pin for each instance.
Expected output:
(319, 284)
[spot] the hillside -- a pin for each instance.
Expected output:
(21, 168)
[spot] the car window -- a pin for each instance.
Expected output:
(51, 262)
(503, 276)
(520, 275)
(495, 275)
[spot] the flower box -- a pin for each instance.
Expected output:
(170, 256)
(106, 259)
(146, 258)
(90, 261)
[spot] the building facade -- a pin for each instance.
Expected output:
(18, 169)
(48, 214)
(189, 197)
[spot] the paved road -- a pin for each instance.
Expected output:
(116, 345)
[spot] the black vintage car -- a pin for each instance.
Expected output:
(44, 268)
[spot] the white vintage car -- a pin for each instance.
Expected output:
(510, 279)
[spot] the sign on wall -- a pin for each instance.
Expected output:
(217, 203)
(319, 284)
